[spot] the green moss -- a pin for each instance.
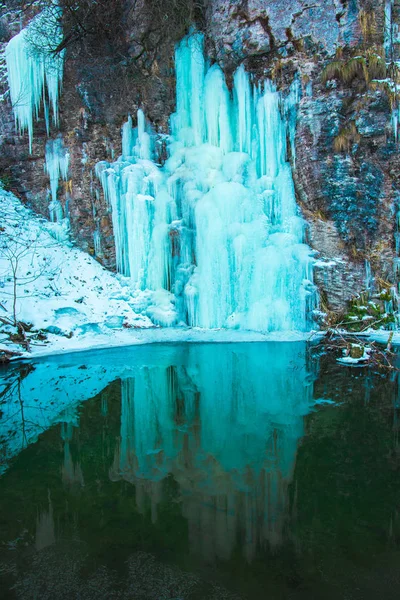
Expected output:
(385, 296)
(363, 312)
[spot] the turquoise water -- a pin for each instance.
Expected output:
(199, 471)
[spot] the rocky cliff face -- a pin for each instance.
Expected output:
(346, 161)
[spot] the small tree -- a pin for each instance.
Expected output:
(23, 260)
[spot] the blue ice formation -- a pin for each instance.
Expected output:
(56, 166)
(34, 71)
(215, 233)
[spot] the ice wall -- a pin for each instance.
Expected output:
(214, 234)
(34, 72)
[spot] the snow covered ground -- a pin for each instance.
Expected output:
(77, 302)
(59, 288)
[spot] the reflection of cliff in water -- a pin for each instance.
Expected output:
(225, 422)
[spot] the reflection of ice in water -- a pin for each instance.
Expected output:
(226, 424)
(223, 419)
(45, 535)
(71, 473)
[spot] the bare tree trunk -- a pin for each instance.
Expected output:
(15, 295)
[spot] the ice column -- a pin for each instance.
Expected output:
(189, 66)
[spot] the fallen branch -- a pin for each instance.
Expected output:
(372, 354)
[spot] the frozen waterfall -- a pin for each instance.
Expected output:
(214, 235)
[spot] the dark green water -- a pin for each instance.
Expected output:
(237, 471)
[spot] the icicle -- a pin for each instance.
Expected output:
(271, 130)
(217, 110)
(368, 276)
(143, 149)
(395, 120)
(56, 166)
(57, 163)
(244, 110)
(388, 35)
(127, 139)
(190, 71)
(56, 211)
(33, 70)
(97, 243)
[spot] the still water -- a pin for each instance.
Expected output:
(199, 472)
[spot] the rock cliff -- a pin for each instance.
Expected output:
(343, 54)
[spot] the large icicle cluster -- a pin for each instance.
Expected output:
(215, 233)
(34, 73)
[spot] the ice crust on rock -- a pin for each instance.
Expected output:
(217, 226)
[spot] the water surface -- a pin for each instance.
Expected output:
(199, 471)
